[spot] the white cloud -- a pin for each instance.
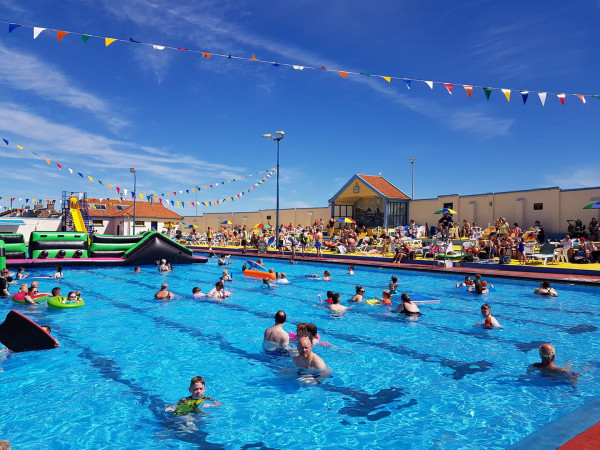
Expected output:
(19, 70)
(580, 178)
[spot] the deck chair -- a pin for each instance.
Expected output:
(271, 242)
(546, 252)
(477, 233)
(529, 250)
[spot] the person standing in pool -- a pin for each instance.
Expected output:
(163, 266)
(546, 289)
(490, 321)
(406, 306)
(4, 283)
(164, 293)
(306, 359)
(191, 404)
(276, 337)
(547, 366)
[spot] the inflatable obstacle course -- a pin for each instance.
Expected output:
(113, 246)
(20, 334)
(58, 244)
(14, 245)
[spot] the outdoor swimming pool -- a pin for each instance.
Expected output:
(434, 382)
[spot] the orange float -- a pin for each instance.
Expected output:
(259, 274)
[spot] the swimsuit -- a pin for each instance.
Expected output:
(190, 405)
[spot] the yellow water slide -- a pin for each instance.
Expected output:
(76, 214)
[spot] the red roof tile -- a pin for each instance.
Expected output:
(383, 186)
(142, 209)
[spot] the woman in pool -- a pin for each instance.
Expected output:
(218, 292)
(406, 306)
(546, 289)
(358, 297)
(478, 288)
(58, 273)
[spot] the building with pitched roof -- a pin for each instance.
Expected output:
(372, 201)
(116, 216)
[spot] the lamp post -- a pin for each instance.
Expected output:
(412, 172)
(277, 136)
(197, 200)
(132, 170)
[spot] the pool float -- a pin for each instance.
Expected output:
(259, 274)
(190, 405)
(255, 265)
(63, 303)
(374, 301)
(19, 297)
(466, 288)
(451, 256)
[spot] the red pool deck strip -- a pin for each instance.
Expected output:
(588, 440)
(578, 430)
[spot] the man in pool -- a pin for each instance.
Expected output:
(306, 359)
(164, 293)
(547, 366)
(276, 338)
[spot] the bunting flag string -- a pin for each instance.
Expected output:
(60, 34)
(187, 190)
(165, 202)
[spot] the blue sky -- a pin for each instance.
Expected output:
(181, 119)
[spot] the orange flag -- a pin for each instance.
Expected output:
(581, 97)
(469, 89)
(254, 58)
(343, 74)
(208, 55)
(60, 35)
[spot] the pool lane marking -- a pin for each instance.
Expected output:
(365, 400)
(460, 368)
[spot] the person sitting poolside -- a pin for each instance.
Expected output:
(407, 306)
(547, 366)
(490, 321)
(164, 293)
(546, 289)
(275, 337)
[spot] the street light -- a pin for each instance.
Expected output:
(132, 170)
(278, 137)
(412, 171)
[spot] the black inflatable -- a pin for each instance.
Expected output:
(20, 334)
(157, 246)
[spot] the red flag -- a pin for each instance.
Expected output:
(59, 166)
(449, 87)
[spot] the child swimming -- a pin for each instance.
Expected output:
(192, 404)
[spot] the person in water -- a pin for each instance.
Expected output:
(193, 403)
(358, 297)
(468, 282)
(163, 266)
(164, 293)
(275, 337)
(394, 284)
(306, 359)
(267, 284)
(546, 289)
(490, 321)
(407, 306)
(386, 297)
(218, 292)
(547, 366)
(478, 288)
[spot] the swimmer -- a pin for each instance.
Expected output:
(546, 289)
(226, 276)
(163, 266)
(484, 283)
(71, 298)
(191, 404)
(218, 292)
(267, 284)
(547, 366)
(78, 294)
(306, 359)
(351, 270)
(46, 328)
(358, 297)
(275, 337)
(164, 293)
(58, 273)
(222, 261)
(394, 284)
(468, 282)
(137, 269)
(21, 274)
(197, 292)
(244, 268)
(478, 288)
(23, 288)
(326, 276)
(56, 292)
(386, 297)
(283, 279)
(490, 321)
(31, 292)
(407, 306)
(335, 305)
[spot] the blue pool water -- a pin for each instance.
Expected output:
(435, 382)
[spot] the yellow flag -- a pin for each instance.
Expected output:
(47, 160)
(506, 94)
(108, 41)
(388, 79)
(19, 147)
(90, 178)
(109, 186)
